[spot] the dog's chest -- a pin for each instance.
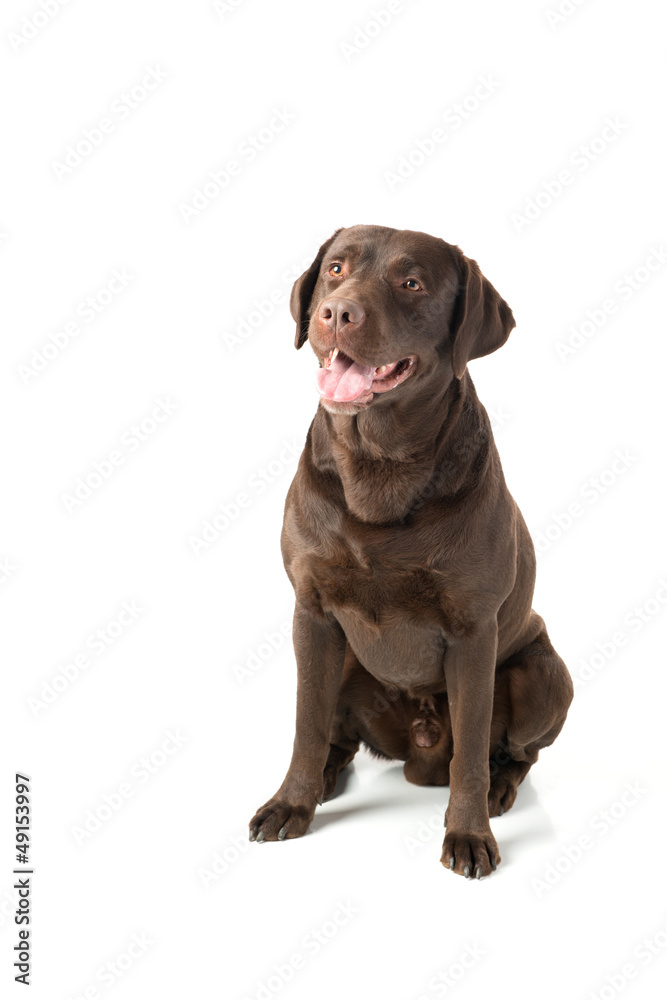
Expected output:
(393, 619)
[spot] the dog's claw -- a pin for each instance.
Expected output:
(282, 833)
(260, 837)
(251, 837)
(466, 871)
(478, 871)
(502, 810)
(451, 863)
(493, 864)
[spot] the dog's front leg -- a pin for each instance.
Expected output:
(470, 848)
(319, 644)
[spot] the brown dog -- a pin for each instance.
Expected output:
(412, 566)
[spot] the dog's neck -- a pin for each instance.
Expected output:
(387, 465)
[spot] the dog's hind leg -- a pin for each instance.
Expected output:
(532, 695)
(338, 759)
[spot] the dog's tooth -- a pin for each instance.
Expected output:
(382, 368)
(334, 354)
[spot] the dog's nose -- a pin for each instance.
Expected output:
(337, 313)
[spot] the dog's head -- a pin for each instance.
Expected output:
(386, 308)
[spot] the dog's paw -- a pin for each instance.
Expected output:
(470, 854)
(330, 781)
(502, 795)
(279, 819)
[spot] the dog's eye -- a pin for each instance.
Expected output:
(412, 284)
(336, 270)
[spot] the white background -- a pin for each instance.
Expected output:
(557, 918)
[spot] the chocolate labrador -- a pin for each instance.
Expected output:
(412, 566)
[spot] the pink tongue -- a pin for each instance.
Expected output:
(345, 380)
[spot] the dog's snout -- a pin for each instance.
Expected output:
(337, 313)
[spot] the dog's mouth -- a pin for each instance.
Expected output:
(343, 380)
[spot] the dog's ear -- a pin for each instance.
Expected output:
(302, 293)
(482, 320)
